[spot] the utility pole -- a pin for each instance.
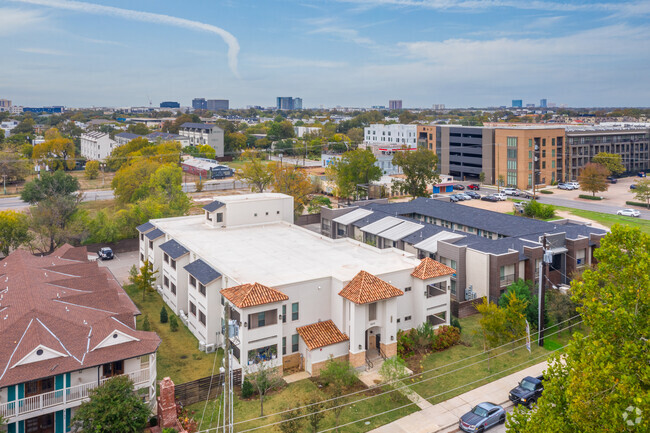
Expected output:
(543, 272)
(226, 374)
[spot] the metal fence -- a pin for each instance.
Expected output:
(200, 389)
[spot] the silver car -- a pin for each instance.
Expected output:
(482, 417)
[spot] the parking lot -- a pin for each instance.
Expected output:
(121, 265)
(617, 194)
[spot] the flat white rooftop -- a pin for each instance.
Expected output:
(280, 253)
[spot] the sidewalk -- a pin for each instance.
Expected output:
(444, 416)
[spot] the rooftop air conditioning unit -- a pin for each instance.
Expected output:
(209, 348)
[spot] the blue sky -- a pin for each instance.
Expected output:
(460, 53)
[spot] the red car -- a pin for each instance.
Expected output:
(473, 186)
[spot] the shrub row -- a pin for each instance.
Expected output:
(446, 337)
(590, 197)
(636, 203)
(546, 191)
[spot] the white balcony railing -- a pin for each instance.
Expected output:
(62, 396)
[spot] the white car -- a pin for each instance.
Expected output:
(510, 191)
(574, 185)
(501, 196)
(566, 186)
(629, 212)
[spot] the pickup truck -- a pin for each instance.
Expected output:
(528, 391)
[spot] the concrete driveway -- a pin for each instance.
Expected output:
(121, 265)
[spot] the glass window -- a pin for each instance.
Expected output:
(530, 142)
(553, 153)
(372, 311)
(202, 289)
(261, 319)
(166, 258)
(453, 264)
(192, 281)
(284, 345)
(202, 318)
(284, 314)
(173, 287)
(192, 309)
(294, 311)
(220, 217)
(173, 263)
(512, 141)
(530, 154)
(294, 343)
(165, 281)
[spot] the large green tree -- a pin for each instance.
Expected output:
(601, 383)
(14, 230)
(257, 174)
(356, 167)
(419, 168)
(593, 178)
(642, 191)
(113, 408)
(612, 161)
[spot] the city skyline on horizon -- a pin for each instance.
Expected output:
(344, 53)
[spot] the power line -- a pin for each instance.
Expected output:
(389, 383)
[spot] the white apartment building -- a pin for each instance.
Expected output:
(295, 298)
(67, 328)
(97, 145)
(203, 133)
(393, 136)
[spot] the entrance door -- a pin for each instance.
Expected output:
(378, 341)
(40, 424)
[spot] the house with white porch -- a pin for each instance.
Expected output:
(294, 298)
(67, 327)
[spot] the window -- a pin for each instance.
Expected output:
(295, 311)
(262, 354)
(166, 258)
(512, 178)
(552, 141)
(192, 309)
(530, 154)
(294, 343)
(407, 289)
(40, 386)
(142, 236)
(543, 164)
(202, 318)
(192, 281)
(452, 264)
(399, 320)
(530, 142)
(284, 314)
(372, 311)
(113, 369)
(543, 142)
(202, 289)
(530, 167)
(173, 263)
(150, 244)
(553, 152)
(264, 318)
(407, 318)
(141, 257)
(261, 319)
(512, 141)
(220, 217)
(284, 345)
(553, 164)
(166, 281)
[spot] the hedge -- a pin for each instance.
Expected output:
(636, 203)
(590, 197)
(546, 191)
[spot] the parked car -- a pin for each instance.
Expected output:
(565, 186)
(641, 174)
(612, 179)
(500, 196)
(105, 253)
(529, 195)
(482, 417)
(633, 186)
(510, 191)
(629, 212)
(454, 198)
(474, 186)
(575, 185)
(528, 391)
(473, 194)
(458, 187)
(489, 198)
(465, 196)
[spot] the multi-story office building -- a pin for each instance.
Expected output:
(67, 328)
(199, 104)
(97, 145)
(628, 140)
(465, 151)
(542, 103)
(49, 110)
(438, 107)
(517, 103)
(170, 104)
(488, 250)
(288, 103)
(217, 104)
(395, 104)
(202, 133)
(295, 298)
(5, 105)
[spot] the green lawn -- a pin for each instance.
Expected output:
(178, 354)
(609, 220)
(474, 370)
(296, 394)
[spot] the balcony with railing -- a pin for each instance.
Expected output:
(506, 280)
(67, 397)
(435, 289)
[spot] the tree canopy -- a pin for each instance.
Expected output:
(14, 230)
(257, 174)
(355, 167)
(57, 184)
(602, 381)
(593, 178)
(56, 151)
(642, 191)
(419, 168)
(612, 161)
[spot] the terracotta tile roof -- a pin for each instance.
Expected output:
(321, 334)
(64, 307)
(365, 288)
(429, 268)
(250, 295)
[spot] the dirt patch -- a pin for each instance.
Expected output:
(500, 206)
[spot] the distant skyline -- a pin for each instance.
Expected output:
(358, 53)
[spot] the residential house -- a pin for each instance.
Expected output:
(203, 133)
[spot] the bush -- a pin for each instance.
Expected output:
(173, 323)
(146, 326)
(92, 170)
(636, 203)
(247, 390)
(163, 315)
(446, 337)
(590, 197)
(546, 191)
(169, 430)
(415, 340)
(456, 323)
(534, 209)
(198, 185)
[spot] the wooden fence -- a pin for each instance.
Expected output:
(303, 220)
(200, 390)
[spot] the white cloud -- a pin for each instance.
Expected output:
(229, 39)
(15, 20)
(294, 63)
(327, 26)
(44, 51)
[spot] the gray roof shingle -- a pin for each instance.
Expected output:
(174, 249)
(202, 271)
(211, 207)
(197, 125)
(155, 234)
(145, 227)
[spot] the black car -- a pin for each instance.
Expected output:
(528, 390)
(612, 179)
(105, 253)
(489, 198)
(458, 187)
(473, 194)
(454, 198)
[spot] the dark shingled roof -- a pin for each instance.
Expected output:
(211, 207)
(145, 227)
(164, 136)
(174, 249)
(155, 234)
(202, 271)
(128, 135)
(197, 125)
